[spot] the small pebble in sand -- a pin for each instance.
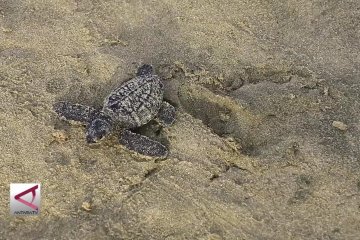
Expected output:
(60, 136)
(86, 206)
(340, 125)
(326, 91)
(292, 96)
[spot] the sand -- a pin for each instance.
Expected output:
(266, 141)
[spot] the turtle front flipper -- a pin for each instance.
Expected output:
(142, 144)
(75, 112)
(166, 114)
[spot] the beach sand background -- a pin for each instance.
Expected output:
(266, 142)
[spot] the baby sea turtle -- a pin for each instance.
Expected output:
(131, 105)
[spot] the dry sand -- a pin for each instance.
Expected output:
(266, 142)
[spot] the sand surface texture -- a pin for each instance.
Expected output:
(266, 141)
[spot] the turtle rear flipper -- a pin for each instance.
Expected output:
(75, 112)
(142, 144)
(145, 69)
(166, 114)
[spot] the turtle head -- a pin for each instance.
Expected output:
(97, 130)
(145, 69)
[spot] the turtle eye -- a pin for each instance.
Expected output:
(101, 134)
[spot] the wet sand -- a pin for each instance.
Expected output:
(266, 141)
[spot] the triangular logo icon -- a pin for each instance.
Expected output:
(29, 204)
